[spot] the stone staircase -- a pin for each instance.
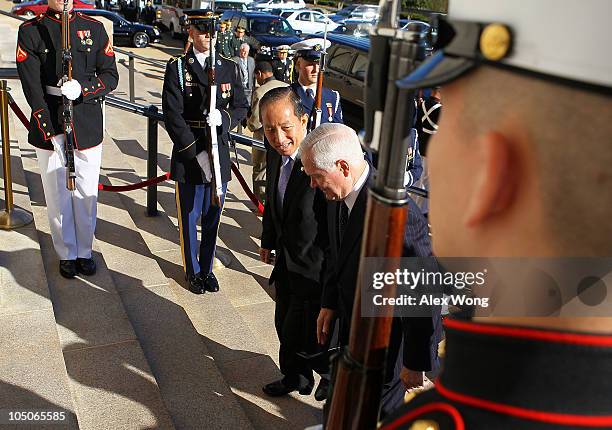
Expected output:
(131, 348)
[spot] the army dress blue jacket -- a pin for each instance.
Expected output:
(185, 102)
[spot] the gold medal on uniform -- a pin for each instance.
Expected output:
(188, 77)
(88, 41)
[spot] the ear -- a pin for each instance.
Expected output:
(496, 179)
(344, 167)
(304, 120)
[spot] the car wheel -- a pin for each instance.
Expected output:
(29, 14)
(140, 40)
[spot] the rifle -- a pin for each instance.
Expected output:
(67, 110)
(212, 144)
(359, 374)
(316, 113)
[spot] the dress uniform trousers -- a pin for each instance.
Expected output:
(193, 202)
(72, 215)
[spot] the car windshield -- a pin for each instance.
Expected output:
(346, 11)
(274, 26)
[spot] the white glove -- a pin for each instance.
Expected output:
(204, 163)
(58, 146)
(71, 89)
(214, 119)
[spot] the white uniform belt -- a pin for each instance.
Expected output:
(54, 91)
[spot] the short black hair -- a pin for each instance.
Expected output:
(264, 67)
(282, 93)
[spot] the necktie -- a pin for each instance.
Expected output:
(343, 217)
(310, 93)
(283, 178)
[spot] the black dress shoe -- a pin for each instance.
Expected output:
(322, 390)
(196, 284)
(86, 266)
(67, 268)
(210, 283)
(283, 387)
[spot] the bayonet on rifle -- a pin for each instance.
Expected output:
(67, 109)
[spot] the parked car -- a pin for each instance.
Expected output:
(347, 64)
(277, 4)
(32, 8)
(222, 6)
(308, 21)
(356, 12)
(126, 32)
(263, 29)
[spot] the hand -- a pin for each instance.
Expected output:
(204, 163)
(266, 256)
(324, 322)
(411, 378)
(58, 146)
(71, 89)
(214, 119)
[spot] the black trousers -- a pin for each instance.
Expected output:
(298, 302)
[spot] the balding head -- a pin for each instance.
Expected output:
(333, 158)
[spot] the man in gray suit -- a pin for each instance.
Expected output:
(247, 68)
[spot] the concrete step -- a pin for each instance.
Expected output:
(33, 373)
(191, 385)
(111, 382)
(248, 356)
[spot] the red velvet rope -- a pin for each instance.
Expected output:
(245, 187)
(150, 181)
(118, 188)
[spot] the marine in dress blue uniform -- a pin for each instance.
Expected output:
(514, 372)
(185, 102)
(307, 56)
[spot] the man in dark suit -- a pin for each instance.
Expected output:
(246, 65)
(186, 101)
(307, 56)
(294, 226)
(334, 161)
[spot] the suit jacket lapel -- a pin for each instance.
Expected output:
(354, 228)
(294, 186)
(275, 162)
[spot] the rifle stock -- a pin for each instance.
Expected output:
(389, 112)
(67, 109)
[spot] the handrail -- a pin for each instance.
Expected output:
(152, 61)
(158, 115)
(12, 15)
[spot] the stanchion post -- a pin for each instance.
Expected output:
(12, 216)
(131, 76)
(152, 161)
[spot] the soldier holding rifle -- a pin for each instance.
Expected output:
(202, 100)
(496, 161)
(310, 82)
(65, 91)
